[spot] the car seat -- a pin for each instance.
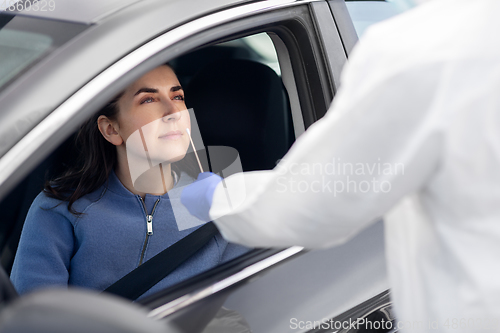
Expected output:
(188, 65)
(242, 104)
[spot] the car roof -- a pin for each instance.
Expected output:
(87, 12)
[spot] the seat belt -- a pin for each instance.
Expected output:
(142, 278)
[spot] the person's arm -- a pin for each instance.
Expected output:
(45, 248)
(380, 131)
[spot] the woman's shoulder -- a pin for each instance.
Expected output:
(47, 202)
(45, 206)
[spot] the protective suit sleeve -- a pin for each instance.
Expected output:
(379, 141)
(45, 248)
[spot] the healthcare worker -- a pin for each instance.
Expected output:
(415, 131)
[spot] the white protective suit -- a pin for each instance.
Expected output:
(420, 107)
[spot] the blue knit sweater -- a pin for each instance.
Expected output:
(109, 240)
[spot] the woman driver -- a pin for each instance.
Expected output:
(90, 227)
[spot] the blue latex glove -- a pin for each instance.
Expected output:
(197, 197)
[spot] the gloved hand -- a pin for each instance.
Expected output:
(197, 197)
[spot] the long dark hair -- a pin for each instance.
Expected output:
(97, 158)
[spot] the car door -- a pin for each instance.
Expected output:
(274, 290)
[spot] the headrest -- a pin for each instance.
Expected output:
(242, 104)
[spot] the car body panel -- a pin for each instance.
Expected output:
(86, 12)
(318, 284)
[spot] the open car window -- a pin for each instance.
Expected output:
(236, 101)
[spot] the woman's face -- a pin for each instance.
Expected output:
(153, 118)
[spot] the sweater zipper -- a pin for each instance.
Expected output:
(149, 225)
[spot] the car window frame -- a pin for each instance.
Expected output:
(344, 24)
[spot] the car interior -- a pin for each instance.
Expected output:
(239, 100)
